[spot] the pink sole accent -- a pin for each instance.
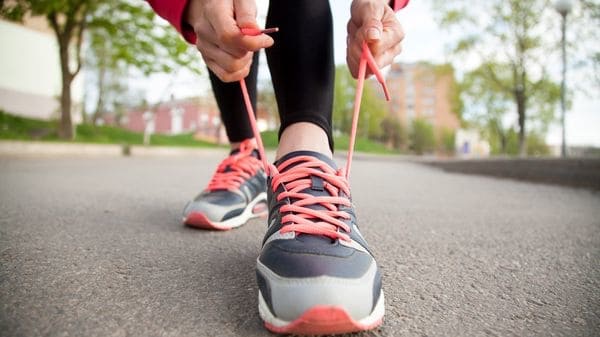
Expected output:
(323, 320)
(260, 209)
(199, 220)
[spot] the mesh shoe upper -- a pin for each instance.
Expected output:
(333, 247)
(238, 180)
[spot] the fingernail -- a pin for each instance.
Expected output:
(373, 34)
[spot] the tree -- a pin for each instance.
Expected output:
(126, 30)
(393, 133)
(508, 38)
(422, 136)
(489, 105)
(343, 99)
(373, 108)
(447, 141)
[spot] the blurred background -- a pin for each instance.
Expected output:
(475, 79)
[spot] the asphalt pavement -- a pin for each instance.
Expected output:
(95, 247)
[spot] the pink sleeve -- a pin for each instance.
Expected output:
(172, 11)
(398, 4)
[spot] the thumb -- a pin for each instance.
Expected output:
(245, 13)
(371, 17)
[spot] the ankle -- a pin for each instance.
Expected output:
(303, 136)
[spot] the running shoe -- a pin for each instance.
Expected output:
(235, 194)
(315, 272)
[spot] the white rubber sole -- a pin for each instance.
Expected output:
(343, 323)
(198, 220)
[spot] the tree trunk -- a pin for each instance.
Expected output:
(522, 129)
(100, 102)
(65, 130)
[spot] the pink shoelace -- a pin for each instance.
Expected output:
(295, 173)
(235, 169)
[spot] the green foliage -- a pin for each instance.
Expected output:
(123, 34)
(489, 104)
(126, 33)
(362, 145)
(393, 133)
(270, 141)
(507, 38)
(373, 107)
(447, 141)
(422, 136)
(13, 127)
(343, 99)
(536, 146)
(20, 128)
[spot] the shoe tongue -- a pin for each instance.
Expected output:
(317, 187)
(317, 183)
(254, 154)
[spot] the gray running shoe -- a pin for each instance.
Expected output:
(235, 194)
(315, 272)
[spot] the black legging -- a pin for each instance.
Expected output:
(302, 70)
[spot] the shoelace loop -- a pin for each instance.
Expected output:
(235, 169)
(299, 216)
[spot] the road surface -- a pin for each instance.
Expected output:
(94, 247)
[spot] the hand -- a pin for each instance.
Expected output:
(225, 50)
(373, 21)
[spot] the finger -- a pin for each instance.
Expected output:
(224, 75)
(388, 56)
(245, 13)
(255, 43)
(230, 36)
(207, 37)
(225, 60)
(368, 16)
(392, 36)
(352, 66)
(351, 28)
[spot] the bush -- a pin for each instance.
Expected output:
(393, 133)
(448, 141)
(422, 137)
(536, 145)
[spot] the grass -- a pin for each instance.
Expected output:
(20, 128)
(341, 143)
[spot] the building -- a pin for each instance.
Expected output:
(191, 115)
(30, 80)
(198, 115)
(421, 90)
(469, 144)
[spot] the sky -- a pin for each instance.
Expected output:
(424, 41)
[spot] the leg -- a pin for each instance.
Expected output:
(231, 104)
(302, 68)
(236, 192)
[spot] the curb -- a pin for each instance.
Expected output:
(574, 172)
(58, 149)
